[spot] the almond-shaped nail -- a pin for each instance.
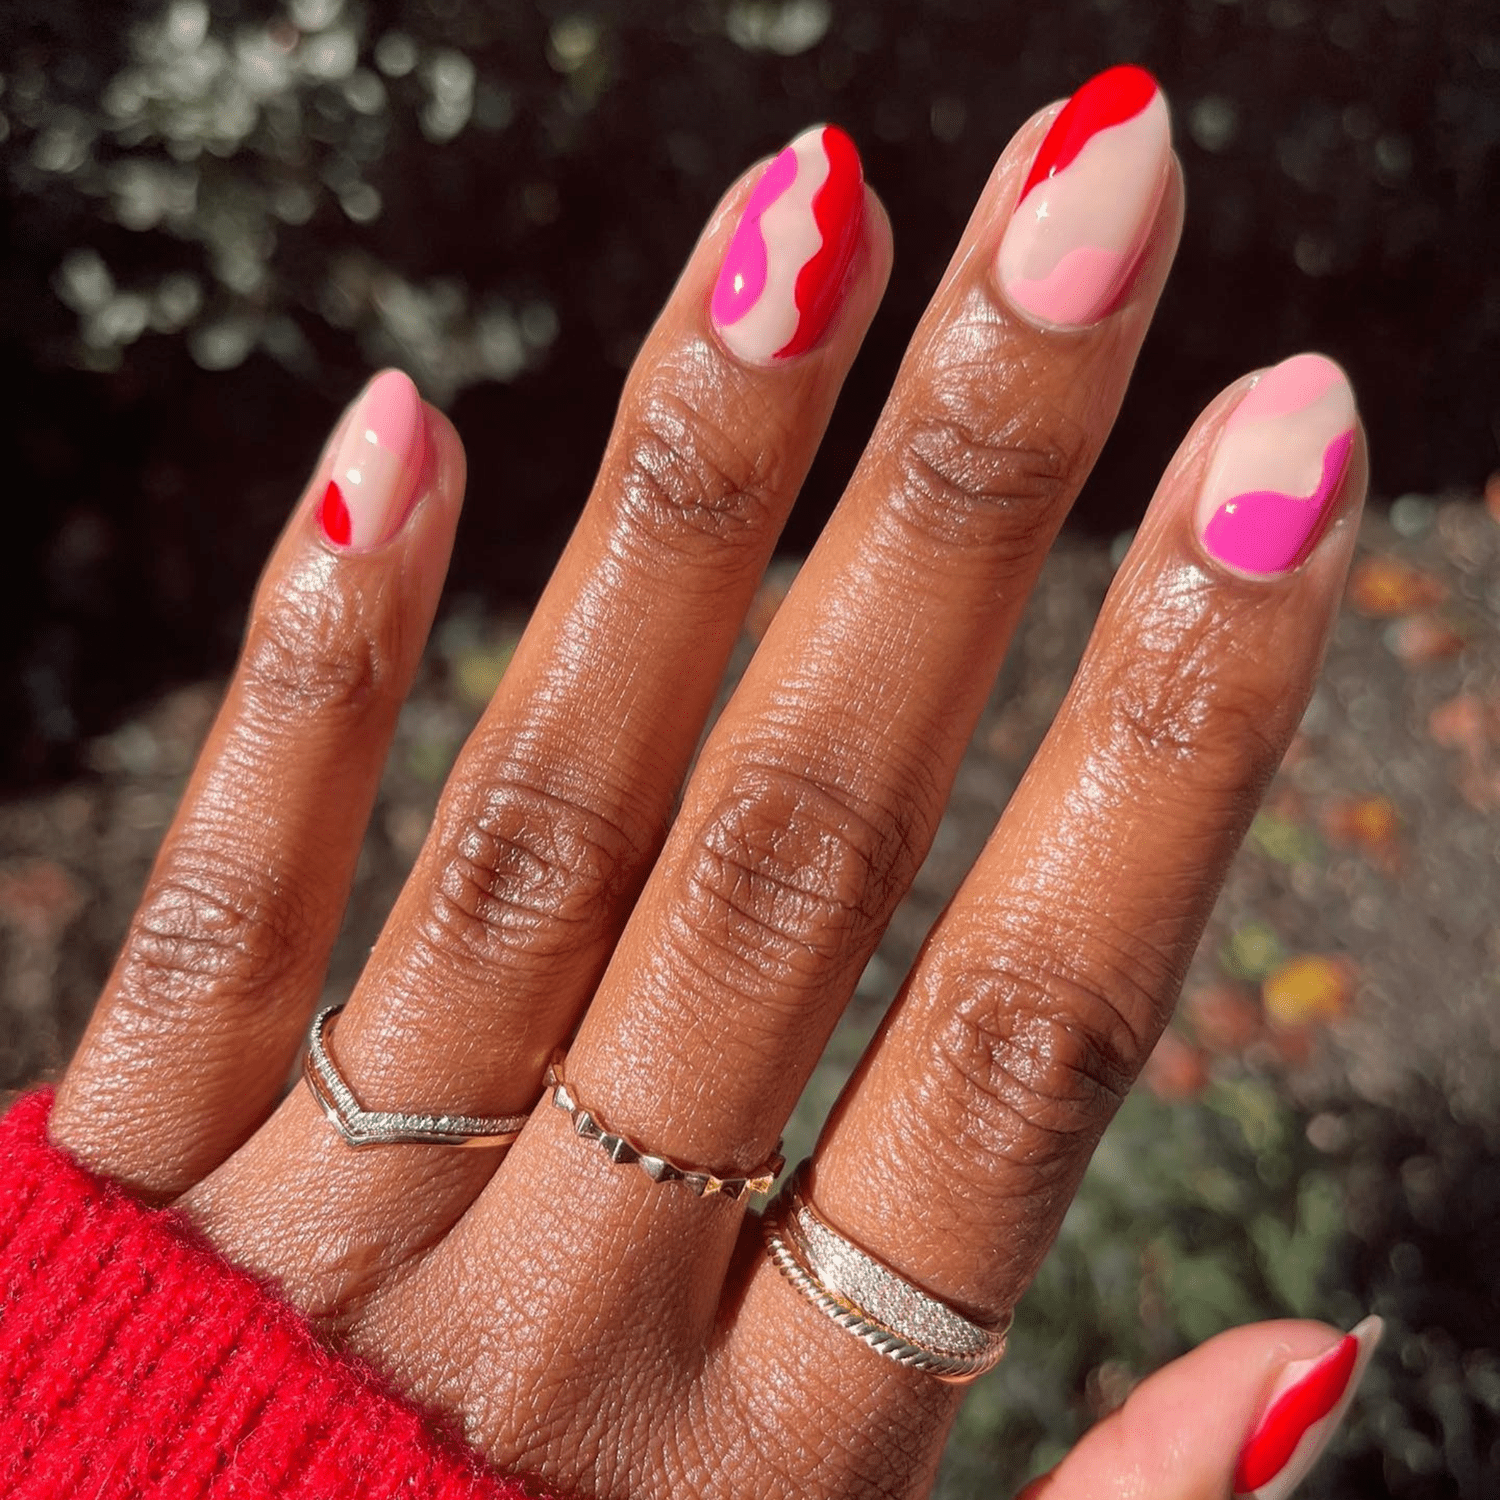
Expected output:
(787, 266)
(1276, 471)
(377, 466)
(1306, 1405)
(1075, 240)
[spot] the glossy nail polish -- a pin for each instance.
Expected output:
(1075, 239)
(1276, 471)
(1307, 1404)
(377, 466)
(787, 265)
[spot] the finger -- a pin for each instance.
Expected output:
(196, 1030)
(558, 804)
(960, 1141)
(1247, 1414)
(819, 789)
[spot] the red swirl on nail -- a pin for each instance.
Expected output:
(1109, 98)
(787, 265)
(1080, 229)
(1304, 1410)
(1281, 1429)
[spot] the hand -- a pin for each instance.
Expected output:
(623, 1336)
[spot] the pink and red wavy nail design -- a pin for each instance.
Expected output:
(1307, 1404)
(1089, 201)
(1278, 467)
(787, 265)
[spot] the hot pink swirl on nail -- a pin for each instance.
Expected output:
(1089, 201)
(1278, 466)
(788, 260)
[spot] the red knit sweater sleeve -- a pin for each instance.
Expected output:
(135, 1362)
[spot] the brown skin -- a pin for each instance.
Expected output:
(629, 1339)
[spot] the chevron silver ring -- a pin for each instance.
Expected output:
(360, 1127)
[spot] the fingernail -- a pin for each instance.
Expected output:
(1074, 243)
(377, 465)
(787, 266)
(1276, 471)
(1307, 1404)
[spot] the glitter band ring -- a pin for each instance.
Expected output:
(871, 1301)
(371, 1127)
(622, 1151)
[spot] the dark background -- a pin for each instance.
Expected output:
(219, 217)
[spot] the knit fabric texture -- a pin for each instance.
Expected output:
(136, 1362)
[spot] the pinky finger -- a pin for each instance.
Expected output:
(1245, 1415)
(198, 1026)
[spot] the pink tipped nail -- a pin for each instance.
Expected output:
(377, 466)
(1074, 243)
(1276, 472)
(1306, 1405)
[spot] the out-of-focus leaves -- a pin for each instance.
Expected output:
(1295, 1256)
(1370, 824)
(1284, 839)
(1421, 640)
(1252, 952)
(1176, 1069)
(1225, 1018)
(39, 898)
(1387, 587)
(1470, 725)
(1311, 990)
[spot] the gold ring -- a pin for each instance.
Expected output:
(623, 1151)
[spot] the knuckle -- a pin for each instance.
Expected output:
(1031, 1064)
(205, 927)
(1191, 707)
(305, 657)
(528, 873)
(682, 480)
(964, 474)
(785, 881)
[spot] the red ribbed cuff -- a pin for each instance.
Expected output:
(136, 1362)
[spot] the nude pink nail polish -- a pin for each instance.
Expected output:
(1074, 242)
(787, 266)
(1305, 1407)
(1276, 471)
(377, 466)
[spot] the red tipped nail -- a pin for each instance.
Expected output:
(1307, 1404)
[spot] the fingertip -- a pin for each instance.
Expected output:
(1256, 1405)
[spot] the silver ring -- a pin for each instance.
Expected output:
(375, 1127)
(865, 1297)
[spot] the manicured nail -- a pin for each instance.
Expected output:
(787, 266)
(1307, 1404)
(1277, 469)
(377, 466)
(1074, 243)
